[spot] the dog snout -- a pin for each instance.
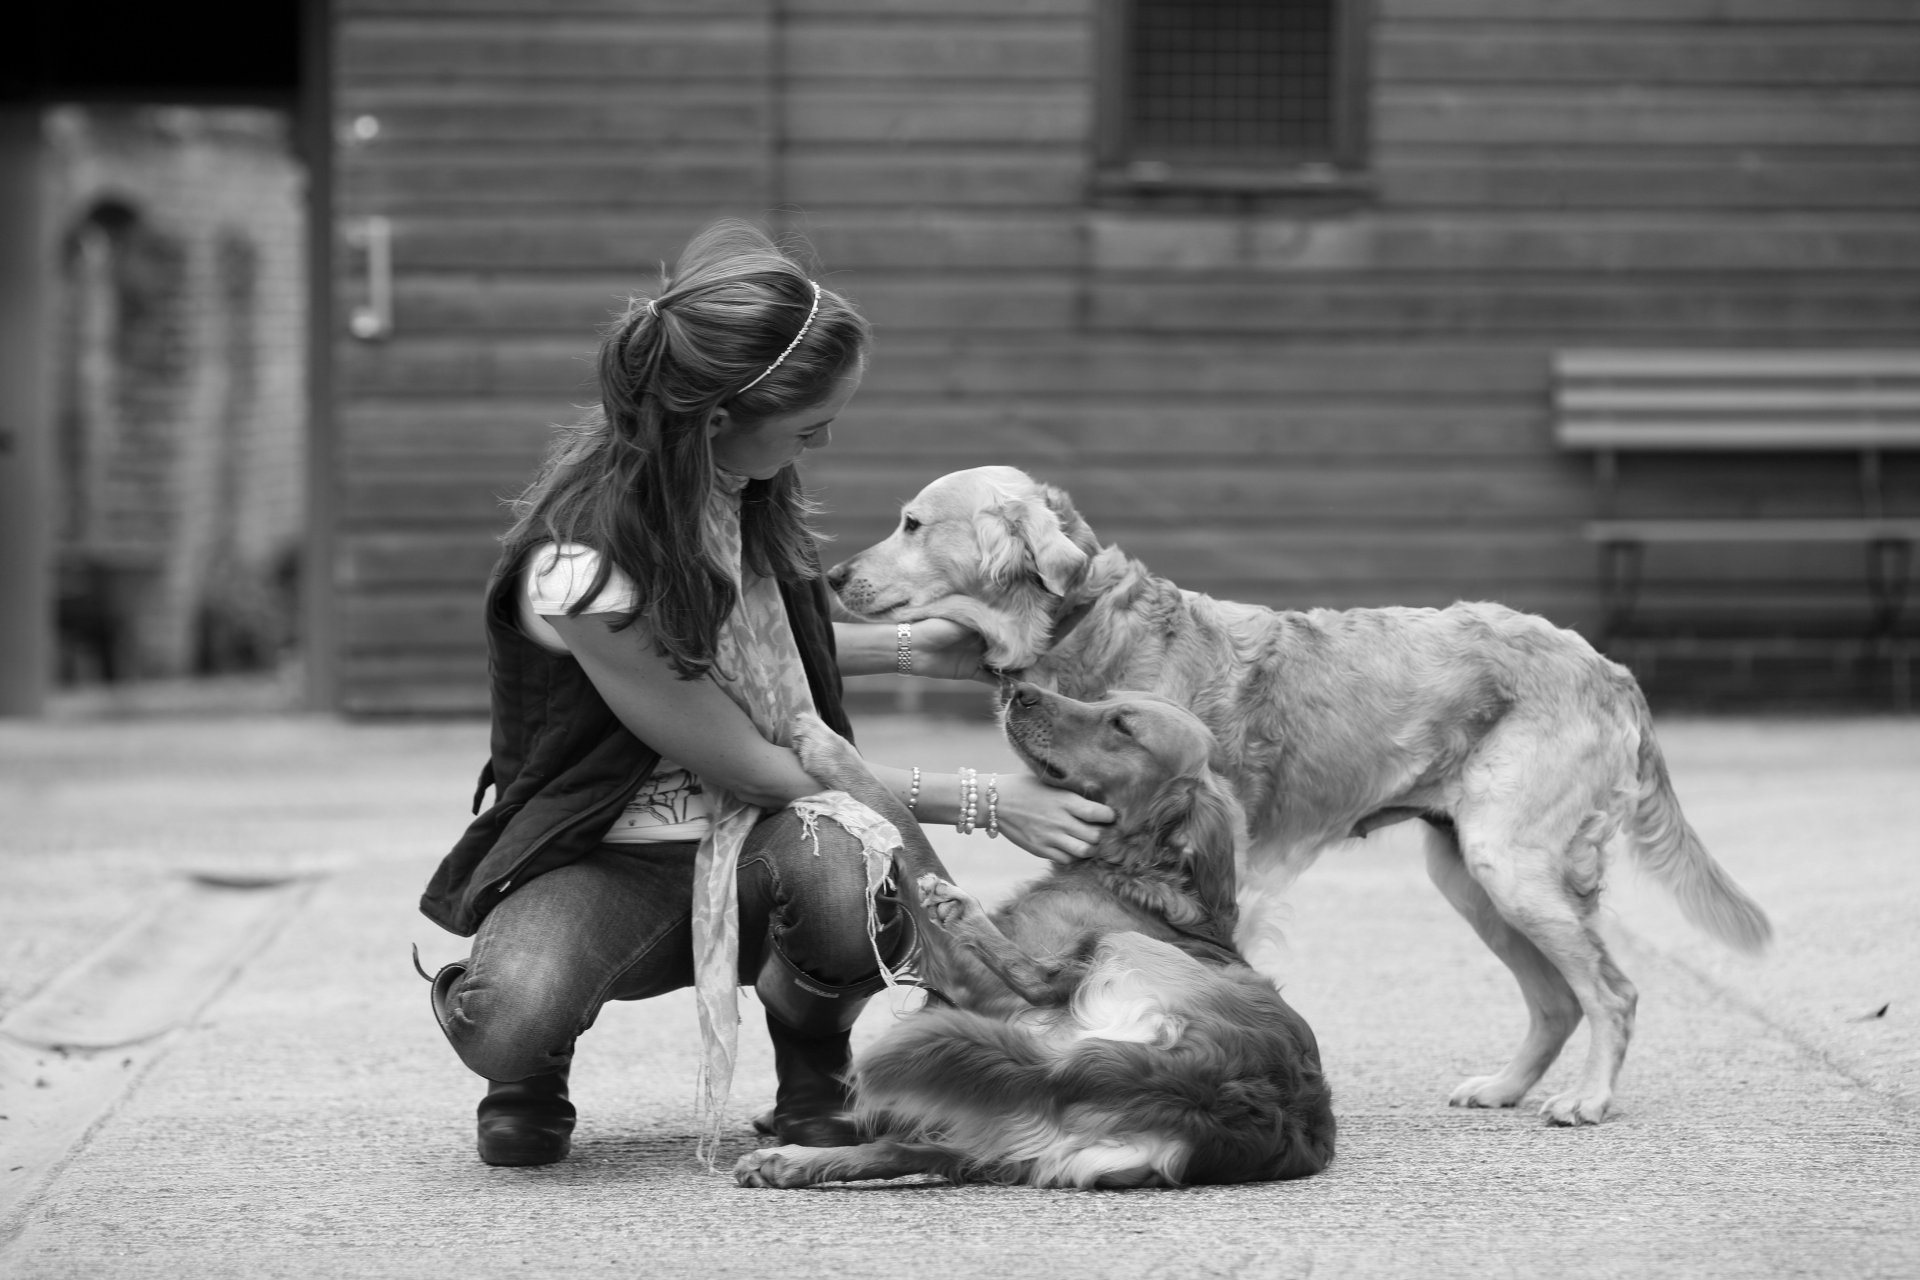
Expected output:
(838, 575)
(1025, 696)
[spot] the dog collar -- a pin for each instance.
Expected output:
(1066, 622)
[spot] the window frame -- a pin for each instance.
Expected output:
(1119, 170)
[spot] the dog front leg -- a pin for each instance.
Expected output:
(966, 924)
(833, 762)
(788, 1167)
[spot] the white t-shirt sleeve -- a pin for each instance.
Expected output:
(558, 574)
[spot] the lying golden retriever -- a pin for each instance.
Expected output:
(1102, 1031)
(1526, 752)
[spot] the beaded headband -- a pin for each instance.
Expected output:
(782, 357)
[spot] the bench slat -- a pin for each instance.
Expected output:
(1752, 530)
(1767, 366)
(1827, 402)
(1784, 435)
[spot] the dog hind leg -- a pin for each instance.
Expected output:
(1552, 1010)
(1529, 874)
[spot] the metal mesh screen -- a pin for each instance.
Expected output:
(1232, 75)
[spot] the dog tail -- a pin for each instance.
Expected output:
(1673, 855)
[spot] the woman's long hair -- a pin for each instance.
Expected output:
(632, 479)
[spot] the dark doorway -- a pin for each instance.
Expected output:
(178, 162)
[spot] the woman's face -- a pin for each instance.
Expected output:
(762, 450)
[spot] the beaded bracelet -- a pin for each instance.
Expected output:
(903, 648)
(913, 793)
(969, 800)
(993, 806)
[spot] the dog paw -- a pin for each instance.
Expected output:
(784, 1167)
(1575, 1108)
(946, 903)
(828, 757)
(1487, 1091)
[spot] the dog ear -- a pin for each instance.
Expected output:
(1036, 542)
(1199, 818)
(1078, 532)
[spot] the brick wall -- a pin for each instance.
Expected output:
(179, 385)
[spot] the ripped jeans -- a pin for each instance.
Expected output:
(617, 925)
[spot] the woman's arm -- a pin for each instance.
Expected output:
(1047, 822)
(936, 648)
(695, 724)
(691, 722)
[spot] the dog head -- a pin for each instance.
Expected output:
(991, 548)
(1147, 759)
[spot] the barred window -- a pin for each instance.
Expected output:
(1239, 91)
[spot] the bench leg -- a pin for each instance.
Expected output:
(1889, 562)
(1619, 584)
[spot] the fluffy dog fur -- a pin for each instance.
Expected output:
(1527, 753)
(1103, 1032)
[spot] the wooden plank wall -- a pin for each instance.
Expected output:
(1271, 404)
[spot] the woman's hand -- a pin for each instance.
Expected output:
(1047, 822)
(949, 651)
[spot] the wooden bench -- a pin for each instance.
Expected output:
(1865, 402)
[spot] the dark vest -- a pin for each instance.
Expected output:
(562, 765)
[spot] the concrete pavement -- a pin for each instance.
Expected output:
(305, 1120)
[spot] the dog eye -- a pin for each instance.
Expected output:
(909, 524)
(1120, 723)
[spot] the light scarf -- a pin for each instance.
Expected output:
(757, 664)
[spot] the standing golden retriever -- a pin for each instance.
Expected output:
(1526, 752)
(1102, 1031)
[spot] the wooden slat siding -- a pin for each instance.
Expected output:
(1238, 491)
(538, 129)
(957, 46)
(626, 247)
(629, 9)
(1482, 241)
(1374, 305)
(698, 179)
(1868, 309)
(1548, 171)
(1029, 430)
(413, 625)
(1668, 116)
(904, 174)
(435, 366)
(454, 303)
(934, 9)
(941, 367)
(1660, 12)
(1456, 175)
(398, 561)
(938, 113)
(503, 50)
(1835, 56)
(561, 115)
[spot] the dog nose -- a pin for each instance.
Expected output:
(1026, 695)
(838, 575)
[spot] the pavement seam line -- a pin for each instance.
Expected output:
(1786, 1031)
(58, 1078)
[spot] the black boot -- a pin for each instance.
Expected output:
(521, 1122)
(811, 1025)
(526, 1121)
(812, 1107)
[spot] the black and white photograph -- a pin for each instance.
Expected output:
(895, 639)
